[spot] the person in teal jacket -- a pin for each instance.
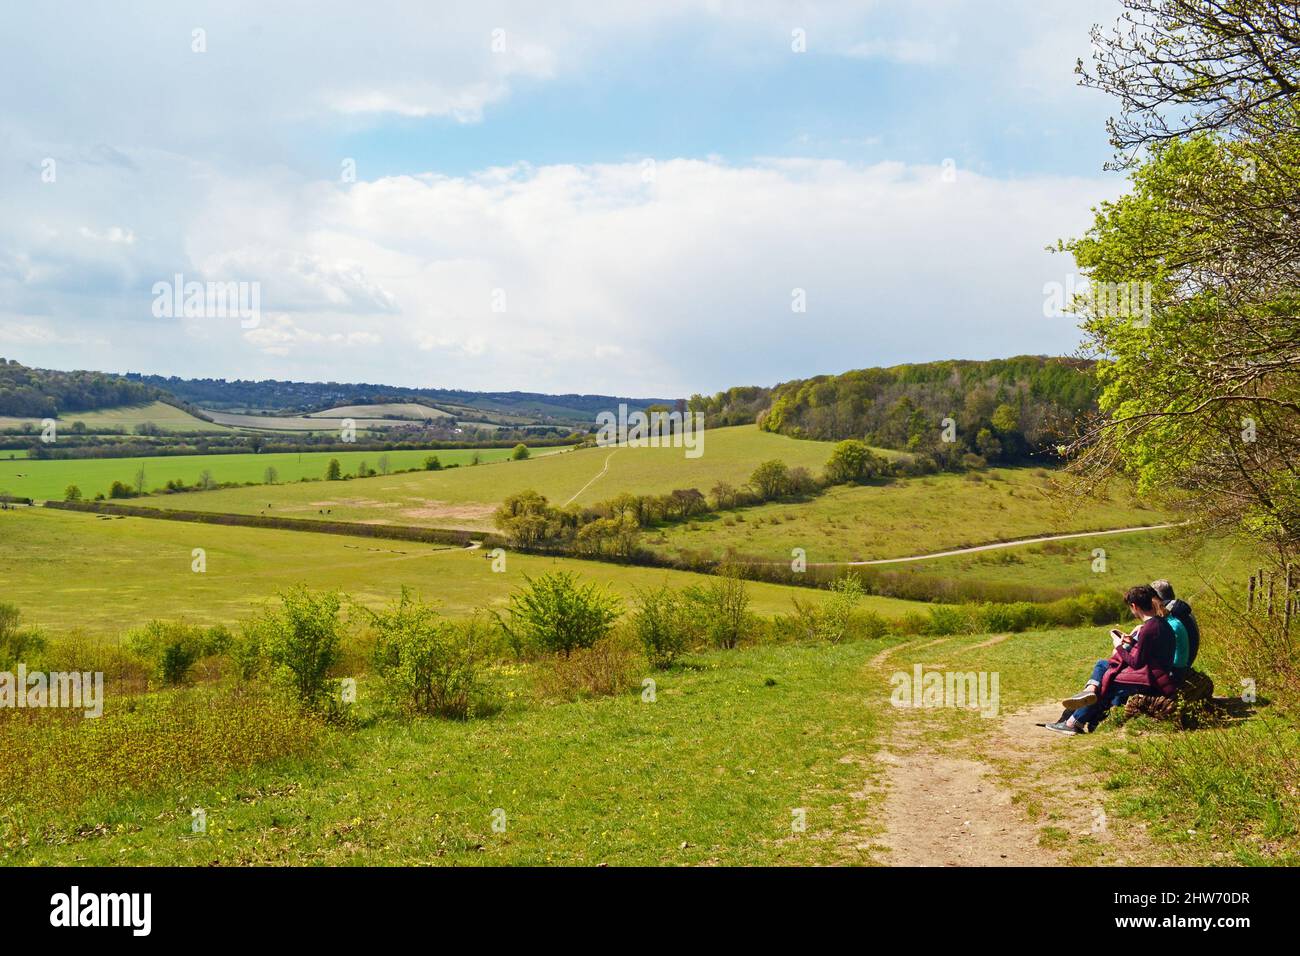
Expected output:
(1182, 641)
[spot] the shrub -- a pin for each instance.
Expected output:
(658, 624)
(432, 463)
(333, 471)
(770, 480)
(601, 670)
(835, 619)
(555, 614)
(720, 610)
(853, 462)
(300, 640)
(16, 644)
(171, 648)
(426, 664)
(519, 452)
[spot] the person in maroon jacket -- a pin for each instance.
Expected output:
(1142, 664)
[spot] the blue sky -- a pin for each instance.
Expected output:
(593, 197)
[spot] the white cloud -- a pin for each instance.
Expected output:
(588, 278)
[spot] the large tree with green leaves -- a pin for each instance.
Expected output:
(1201, 392)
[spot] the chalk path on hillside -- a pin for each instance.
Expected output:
(599, 474)
(983, 547)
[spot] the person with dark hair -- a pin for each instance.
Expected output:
(1142, 664)
(1179, 613)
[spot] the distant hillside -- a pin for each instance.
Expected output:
(306, 397)
(44, 393)
(1003, 409)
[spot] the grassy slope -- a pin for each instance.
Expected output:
(708, 773)
(899, 518)
(67, 570)
(1130, 559)
(466, 498)
(48, 479)
(167, 417)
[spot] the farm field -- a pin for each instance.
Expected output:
(294, 423)
(902, 517)
(466, 498)
(409, 411)
(45, 479)
(115, 574)
(167, 417)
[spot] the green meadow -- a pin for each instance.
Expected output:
(69, 570)
(904, 517)
(715, 767)
(46, 479)
(466, 498)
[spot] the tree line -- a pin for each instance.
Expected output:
(1003, 410)
(46, 393)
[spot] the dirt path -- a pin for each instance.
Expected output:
(983, 547)
(598, 475)
(948, 801)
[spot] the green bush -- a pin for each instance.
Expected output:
(301, 640)
(16, 644)
(658, 624)
(426, 664)
(836, 616)
(555, 614)
(172, 647)
(720, 611)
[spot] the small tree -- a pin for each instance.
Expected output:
(852, 462)
(657, 621)
(432, 463)
(722, 608)
(301, 641)
(72, 493)
(333, 471)
(519, 453)
(426, 664)
(383, 464)
(555, 614)
(836, 615)
(271, 476)
(771, 479)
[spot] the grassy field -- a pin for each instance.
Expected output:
(1193, 566)
(41, 480)
(408, 411)
(710, 773)
(466, 498)
(66, 570)
(167, 417)
(903, 517)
